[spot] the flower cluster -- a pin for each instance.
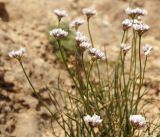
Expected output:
(147, 49)
(137, 121)
(89, 12)
(97, 54)
(85, 45)
(93, 121)
(60, 13)
(76, 23)
(127, 23)
(141, 28)
(125, 48)
(17, 54)
(135, 12)
(80, 37)
(58, 33)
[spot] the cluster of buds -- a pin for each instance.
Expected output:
(60, 14)
(76, 23)
(135, 12)
(137, 121)
(89, 12)
(97, 54)
(58, 33)
(125, 48)
(93, 121)
(17, 54)
(147, 49)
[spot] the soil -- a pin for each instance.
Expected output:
(25, 23)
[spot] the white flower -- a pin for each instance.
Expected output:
(17, 54)
(97, 54)
(135, 12)
(80, 37)
(127, 23)
(60, 13)
(58, 33)
(138, 121)
(94, 120)
(140, 28)
(76, 23)
(125, 47)
(85, 45)
(87, 119)
(89, 12)
(147, 49)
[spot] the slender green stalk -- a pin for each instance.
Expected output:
(145, 62)
(140, 62)
(34, 90)
(65, 63)
(140, 75)
(89, 31)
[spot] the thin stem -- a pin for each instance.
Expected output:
(140, 75)
(65, 63)
(34, 90)
(89, 31)
(144, 68)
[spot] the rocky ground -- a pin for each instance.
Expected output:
(25, 24)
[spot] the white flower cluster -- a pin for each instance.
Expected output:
(125, 47)
(58, 33)
(89, 12)
(140, 28)
(147, 49)
(127, 23)
(85, 45)
(137, 121)
(60, 13)
(76, 23)
(93, 121)
(80, 37)
(135, 12)
(97, 54)
(17, 54)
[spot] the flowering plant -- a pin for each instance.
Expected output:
(100, 105)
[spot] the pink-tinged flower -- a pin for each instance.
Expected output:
(135, 12)
(127, 23)
(85, 45)
(93, 121)
(97, 54)
(147, 49)
(89, 12)
(137, 121)
(141, 28)
(60, 13)
(80, 37)
(125, 47)
(58, 33)
(76, 23)
(17, 54)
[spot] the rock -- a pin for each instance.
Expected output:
(4, 15)
(27, 124)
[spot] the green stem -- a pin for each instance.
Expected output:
(140, 75)
(89, 31)
(144, 68)
(34, 90)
